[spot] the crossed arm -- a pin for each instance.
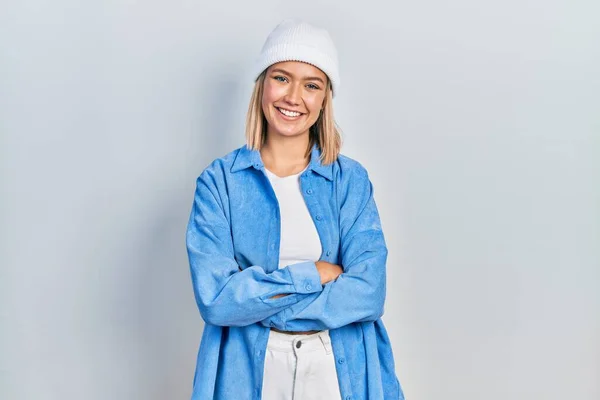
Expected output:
(298, 297)
(327, 271)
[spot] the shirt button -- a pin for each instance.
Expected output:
(257, 165)
(298, 344)
(319, 217)
(309, 191)
(328, 252)
(348, 397)
(308, 286)
(340, 360)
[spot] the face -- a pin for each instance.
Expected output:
(293, 95)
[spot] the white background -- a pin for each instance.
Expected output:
(479, 123)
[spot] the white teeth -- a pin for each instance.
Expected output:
(289, 113)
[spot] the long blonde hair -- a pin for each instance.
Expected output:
(324, 132)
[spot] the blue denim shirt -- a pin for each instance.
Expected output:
(233, 247)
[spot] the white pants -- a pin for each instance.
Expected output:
(300, 367)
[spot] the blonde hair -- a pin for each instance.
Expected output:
(324, 133)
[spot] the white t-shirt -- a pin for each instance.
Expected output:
(299, 237)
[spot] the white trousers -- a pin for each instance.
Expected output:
(300, 367)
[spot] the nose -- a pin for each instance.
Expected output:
(293, 95)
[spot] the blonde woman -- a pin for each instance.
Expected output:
(285, 245)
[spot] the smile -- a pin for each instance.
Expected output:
(288, 113)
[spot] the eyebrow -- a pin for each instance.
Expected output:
(306, 78)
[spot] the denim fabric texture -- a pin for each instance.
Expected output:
(233, 239)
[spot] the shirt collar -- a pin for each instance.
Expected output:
(247, 158)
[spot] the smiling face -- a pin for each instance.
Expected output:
(293, 95)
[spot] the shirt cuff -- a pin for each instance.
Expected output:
(305, 277)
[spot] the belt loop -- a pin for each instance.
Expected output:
(324, 336)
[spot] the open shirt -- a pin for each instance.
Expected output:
(233, 239)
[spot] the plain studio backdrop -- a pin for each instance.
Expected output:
(477, 121)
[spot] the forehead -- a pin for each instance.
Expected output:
(299, 69)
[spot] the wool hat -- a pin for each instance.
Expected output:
(295, 40)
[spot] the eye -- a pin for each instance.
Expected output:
(312, 86)
(280, 78)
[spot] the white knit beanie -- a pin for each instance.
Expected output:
(295, 40)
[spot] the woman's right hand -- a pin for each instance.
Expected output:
(328, 271)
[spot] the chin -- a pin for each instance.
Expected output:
(283, 130)
(288, 133)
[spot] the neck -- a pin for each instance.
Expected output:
(285, 155)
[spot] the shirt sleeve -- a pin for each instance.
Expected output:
(358, 294)
(226, 295)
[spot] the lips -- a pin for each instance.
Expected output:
(289, 113)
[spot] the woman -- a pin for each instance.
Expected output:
(285, 245)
